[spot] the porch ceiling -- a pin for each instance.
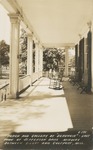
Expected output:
(57, 22)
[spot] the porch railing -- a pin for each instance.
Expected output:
(4, 91)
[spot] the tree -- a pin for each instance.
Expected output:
(23, 50)
(4, 55)
(23, 45)
(52, 58)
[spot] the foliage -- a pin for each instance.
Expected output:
(52, 58)
(23, 51)
(4, 53)
(23, 45)
(72, 62)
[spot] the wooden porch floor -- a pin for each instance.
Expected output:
(80, 107)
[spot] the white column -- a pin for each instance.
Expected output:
(39, 57)
(30, 57)
(14, 55)
(41, 61)
(36, 58)
(66, 61)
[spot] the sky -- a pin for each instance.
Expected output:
(4, 25)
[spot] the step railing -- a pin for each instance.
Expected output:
(4, 91)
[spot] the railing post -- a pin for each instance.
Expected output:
(4, 92)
